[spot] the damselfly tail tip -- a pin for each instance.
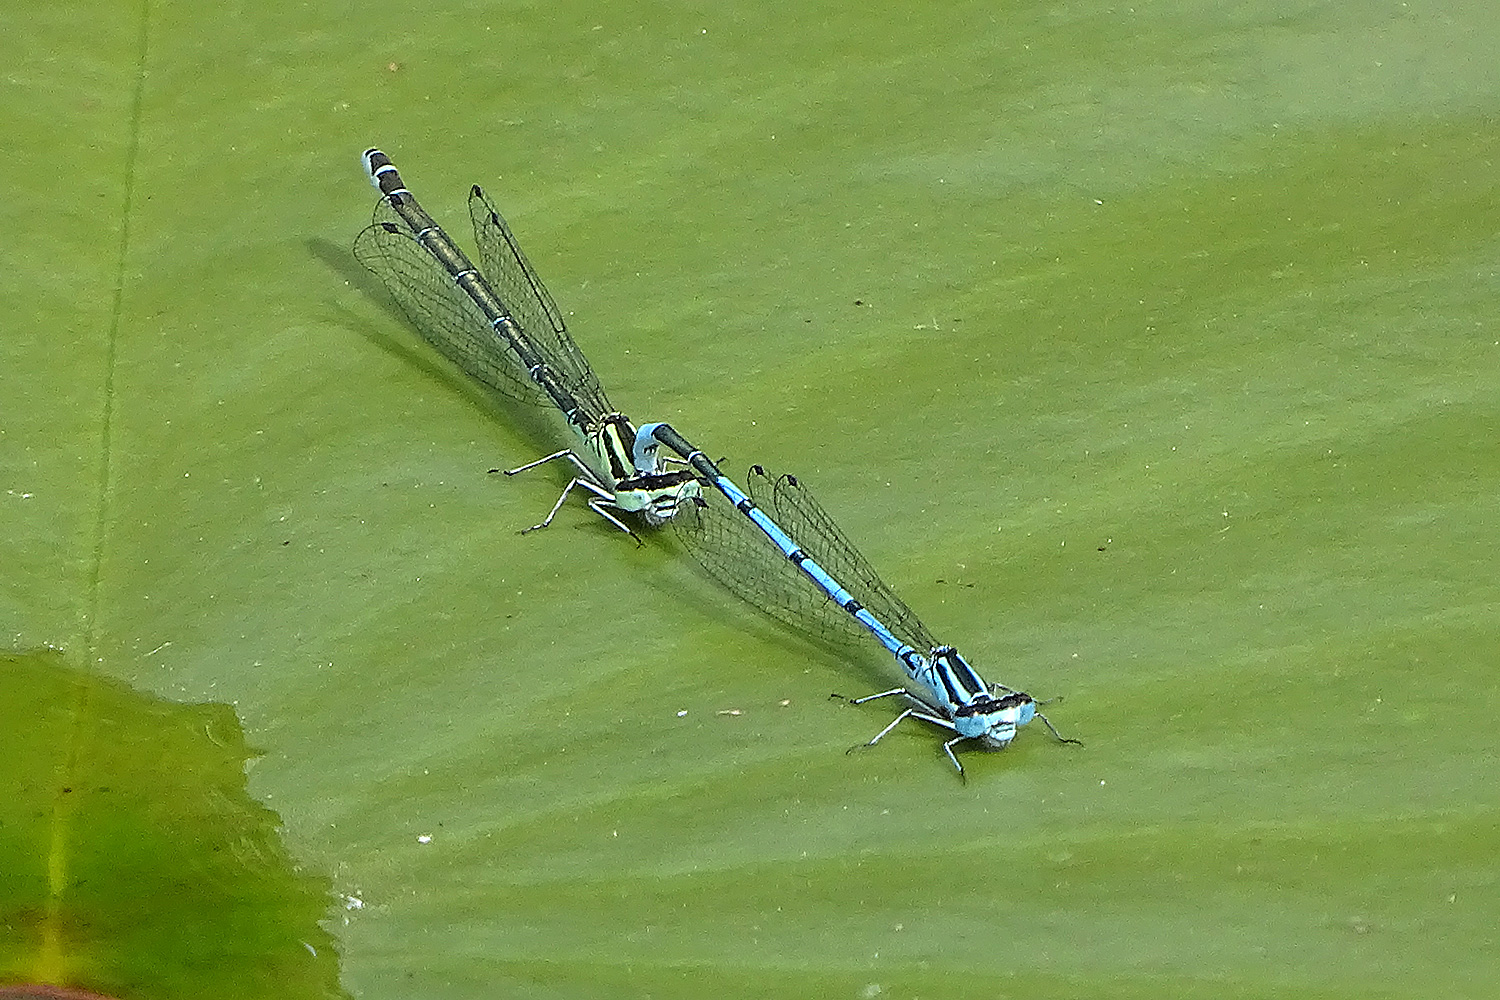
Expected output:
(373, 159)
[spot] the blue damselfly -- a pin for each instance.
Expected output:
(820, 582)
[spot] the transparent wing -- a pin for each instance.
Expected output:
(792, 506)
(737, 555)
(442, 313)
(531, 306)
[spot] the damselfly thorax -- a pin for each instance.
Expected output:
(622, 474)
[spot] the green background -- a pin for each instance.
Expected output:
(1150, 352)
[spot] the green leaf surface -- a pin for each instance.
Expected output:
(1150, 353)
(131, 858)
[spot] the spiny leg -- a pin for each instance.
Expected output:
(909, 713)
(558, 505)
(587, 481)
(567, 453)
(880, 735)
(948, 749)
(883, 694)
(1053, 730)
(598, 504)
(912, 713)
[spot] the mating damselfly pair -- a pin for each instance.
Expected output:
(775, 546)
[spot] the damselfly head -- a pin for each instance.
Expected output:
(994, 721)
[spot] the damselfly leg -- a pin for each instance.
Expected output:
(912, 713)
(601, 496)
(1053, 730)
